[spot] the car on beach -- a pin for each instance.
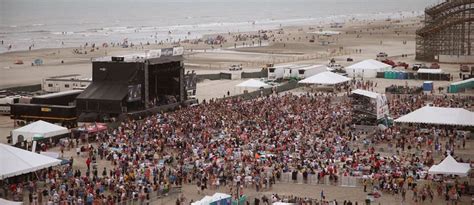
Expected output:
(417, 66)
(434, 66)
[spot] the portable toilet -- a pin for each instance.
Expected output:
(393, 75)
(405, 75)
(400, 75)
(385, 74)
(428, 86)
(453, 89)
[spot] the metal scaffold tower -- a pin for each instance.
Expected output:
(447, 30)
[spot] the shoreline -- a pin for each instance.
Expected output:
(272, 25)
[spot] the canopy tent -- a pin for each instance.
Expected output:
(367, 68)
(6, 202)
(252, 83)
(449, 166)
(16, 161)
(217, 198)
(366, 93)
(439, 116)
(37, 129)
(325, 78)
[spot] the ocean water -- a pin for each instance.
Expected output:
(66, 23)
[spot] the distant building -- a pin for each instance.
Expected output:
(65, 83)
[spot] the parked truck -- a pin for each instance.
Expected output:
(276, 72)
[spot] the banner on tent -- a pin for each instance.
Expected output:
(382, 106)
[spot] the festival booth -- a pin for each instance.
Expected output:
(37, 131)
(216, 199)
(449, 166)
(16, 161)
(325, 79)
(252, 84)
(369, 107)
(439, 116)
(367, 68)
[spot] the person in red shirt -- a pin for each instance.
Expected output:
(88, 163)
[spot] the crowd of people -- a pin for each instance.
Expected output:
(244, 144)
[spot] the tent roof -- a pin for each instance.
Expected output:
(252, 83)
(220, 196)
(282, 203)
(366, 93)
(435, 71)
(369, 64)
(439, 116)
(450, 166)
(16, 161)
(462, 82)
(325, 78)
(6, 202)
(105, 91)
(41, 127)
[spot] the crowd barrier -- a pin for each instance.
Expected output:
(345, 181)
(260, 74)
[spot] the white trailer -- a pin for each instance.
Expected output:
(276, 72)
(65, 83)
(306, 71)
(6, 102)
(291, 72)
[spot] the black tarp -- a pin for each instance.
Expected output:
(109, 91)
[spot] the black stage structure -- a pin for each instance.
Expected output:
(122, 86)
(135, 85)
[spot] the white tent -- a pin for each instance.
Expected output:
(219, 196)
(366, 93)
(367, 68)
(16, 161)
(204, 201)
(252, 83)
(325, 78)
(449, 166)
(281, 203)
(6, 202)
(39, 128)
(439, 116)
